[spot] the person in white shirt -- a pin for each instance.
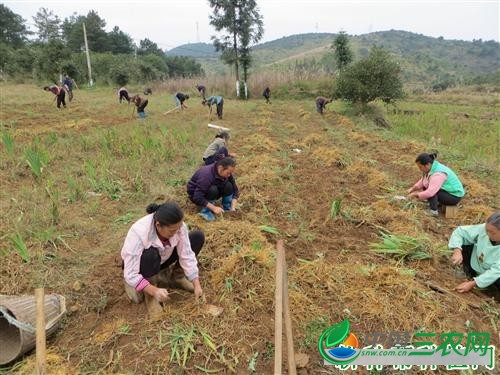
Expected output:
(159, 250)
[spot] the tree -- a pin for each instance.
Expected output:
(375, 77)
(147, 47)
(48, 25)
(51, 56)
(96, 35)
(342, 51)
(241, 21)
(119, 42)
(13, 31)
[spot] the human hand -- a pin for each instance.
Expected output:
(160, 294)
(413, 195)
(233, 205)
(465, 286)
(198, 292)
(217, 210)
(410, 190)
(457, 257)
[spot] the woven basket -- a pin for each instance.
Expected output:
(18, 321)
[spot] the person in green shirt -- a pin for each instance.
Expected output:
(477, 248)
(438, 185)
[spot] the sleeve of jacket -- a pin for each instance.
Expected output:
(187, 257)
(464, 235)
(200, 191)
(131, 255)
(236, 192)
(489, 277)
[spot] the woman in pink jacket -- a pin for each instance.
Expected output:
(159, 252)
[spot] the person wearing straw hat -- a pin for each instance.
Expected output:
(438, 185)
(211, 183)
(217, 150)
(477, 248)
(159, 251)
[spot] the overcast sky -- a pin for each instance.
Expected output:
(170, 23)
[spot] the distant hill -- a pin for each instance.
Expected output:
(423, 58)
(196, 50)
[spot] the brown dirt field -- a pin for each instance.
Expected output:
(332, 273)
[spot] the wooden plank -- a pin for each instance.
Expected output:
(278, 311)
(292, 370)
(40, 331)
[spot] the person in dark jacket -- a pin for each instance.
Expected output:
(180, 98)
(123, 94)
(68, 84)
(212, 182)
(267, 94)
(59, 93)
(140, 104)
(202, 90)
(321, 103)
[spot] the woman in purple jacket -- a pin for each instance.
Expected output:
(212, 182)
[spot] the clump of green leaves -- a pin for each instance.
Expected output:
(402, 247)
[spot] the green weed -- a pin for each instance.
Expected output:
(402, 247)
(181, 344)
(37, 160)
(20, 246)
(8, 142)
(335, 208)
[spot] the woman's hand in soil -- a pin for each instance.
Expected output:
(160, 294)
(465, 286)
(198, 292)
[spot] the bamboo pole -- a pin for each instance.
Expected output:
(40, 331)
(173, 109)
(288, 321)
(278, 312)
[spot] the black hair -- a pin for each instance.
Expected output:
(187, 96)
(223, 134)
(426, 158)
(494, 220)
(167, 213)
(46, 88)
(226, 163)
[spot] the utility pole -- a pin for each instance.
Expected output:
(91, 82)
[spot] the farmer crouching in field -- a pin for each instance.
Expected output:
(438, 185)
(180, 98)
(140, 104)
(321, 103)
(218, 100)
(217, 150)
(123, 95)
(212, 182)
(477, 248)
(159, 252)
(59, 93)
